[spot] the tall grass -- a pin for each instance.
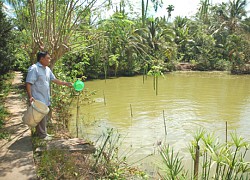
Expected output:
(109, 163)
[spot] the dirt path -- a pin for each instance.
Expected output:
(16, 155)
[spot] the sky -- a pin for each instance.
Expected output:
(181, 7)
(186, 7)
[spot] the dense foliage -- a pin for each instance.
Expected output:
(216, 38)
(6, 43)
(6, 65)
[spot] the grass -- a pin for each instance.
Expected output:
(3, 115)
(5, 87)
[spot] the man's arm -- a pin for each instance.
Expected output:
(59, 82)
(28, 89)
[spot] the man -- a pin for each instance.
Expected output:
(38, 87)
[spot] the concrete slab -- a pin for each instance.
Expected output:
(71, 145)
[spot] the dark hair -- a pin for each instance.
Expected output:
(41, 54)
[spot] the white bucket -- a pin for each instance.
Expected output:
(35, 113)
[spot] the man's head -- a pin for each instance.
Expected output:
(43, 58)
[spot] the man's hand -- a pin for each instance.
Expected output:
(31, 100)
(59, 82)
(69, 84)
(28, 88)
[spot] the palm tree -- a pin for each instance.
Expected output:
(183, 38)
(160, 39)
(229, 33)
(204, 10)
(124, 39)
(170, 9)
(230, 15)
(237, 10)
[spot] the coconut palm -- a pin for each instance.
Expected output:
(183, 38)
(204, 10)
(231, 14)
(237, 10)
(170, 9)
(124, 39)
(160, 37)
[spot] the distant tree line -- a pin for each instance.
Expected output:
(81, 42)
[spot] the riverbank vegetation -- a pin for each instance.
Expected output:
(84, 42)
(105, 163)
(212, 159)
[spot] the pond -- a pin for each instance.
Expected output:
(190, 100)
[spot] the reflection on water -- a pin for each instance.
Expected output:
(189, 99)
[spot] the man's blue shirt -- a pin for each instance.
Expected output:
(40, 77)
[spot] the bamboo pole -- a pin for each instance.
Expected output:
(226, 132)
(77, 115)
(154, 82)
(105, 71)
(156, 86)
(104, 99)
(165, 127)
(196, 162)
(131, 111)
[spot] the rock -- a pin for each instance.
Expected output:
(184, 67)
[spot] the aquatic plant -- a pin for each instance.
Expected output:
(155, 71)
(212, 159)
(173, 163)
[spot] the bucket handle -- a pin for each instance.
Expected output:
(39, 110)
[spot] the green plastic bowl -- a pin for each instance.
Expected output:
(78, 85)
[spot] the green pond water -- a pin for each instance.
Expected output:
(190, 100)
